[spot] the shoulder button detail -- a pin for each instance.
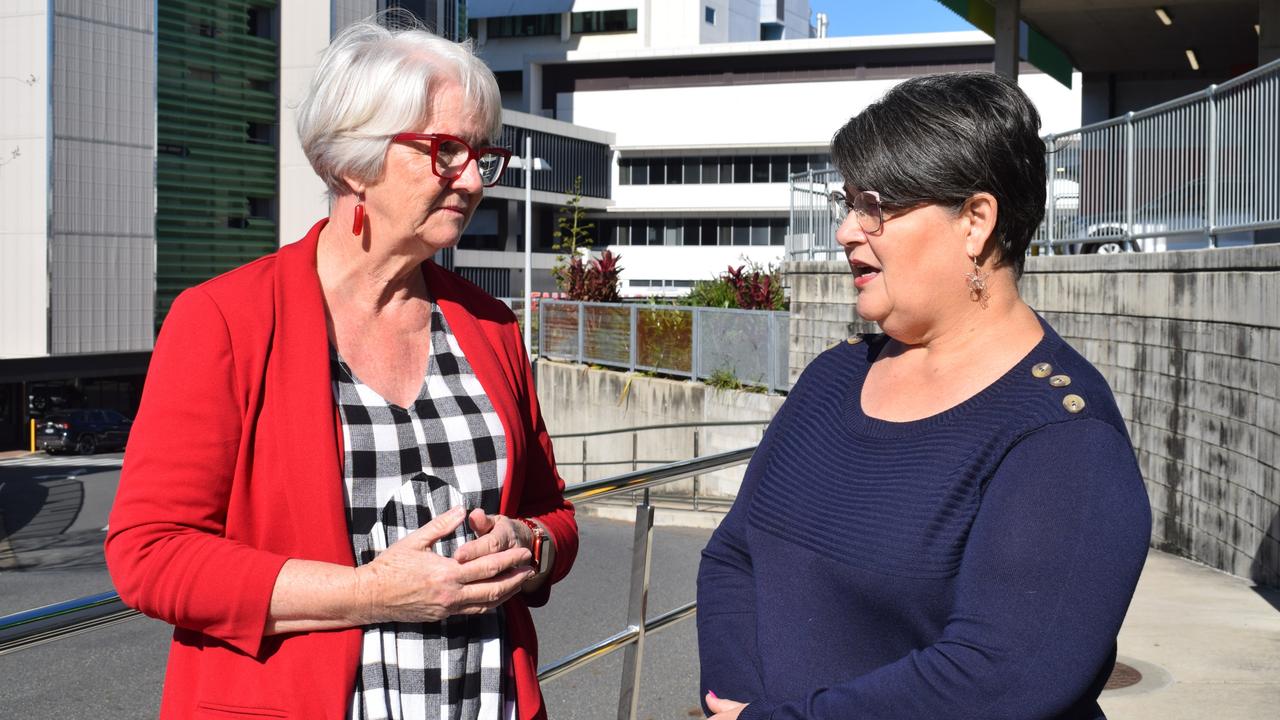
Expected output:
(854, 340)
(1041, 370)
(1060, 381)
(1073, 403)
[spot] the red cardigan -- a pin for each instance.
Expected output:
(234, 466)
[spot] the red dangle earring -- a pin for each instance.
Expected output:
(357, 227)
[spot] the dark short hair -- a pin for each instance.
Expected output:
(944, 138)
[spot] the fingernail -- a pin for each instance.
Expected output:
(712, 693)
(457, 510)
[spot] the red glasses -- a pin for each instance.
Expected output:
(450, 155)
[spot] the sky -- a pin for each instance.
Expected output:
(878, 17)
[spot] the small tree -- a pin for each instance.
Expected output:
(573, 232)
(594, 281)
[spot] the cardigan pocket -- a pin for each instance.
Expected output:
(216, 710)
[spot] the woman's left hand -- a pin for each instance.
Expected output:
(495, 533)
(724, 708)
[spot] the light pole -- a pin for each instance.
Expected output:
(528, 164)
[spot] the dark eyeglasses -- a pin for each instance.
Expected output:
(865, 206)
(450, 155)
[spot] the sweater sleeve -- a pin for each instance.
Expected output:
(726, 595)
(543, 493)
(1048, 571)
(167, 549)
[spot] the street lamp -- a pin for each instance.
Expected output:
(525, 163)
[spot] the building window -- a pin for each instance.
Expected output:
(710, 14)
(703, 170)
(607, 21)
(524, 25)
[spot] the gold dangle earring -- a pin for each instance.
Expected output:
(977, 282)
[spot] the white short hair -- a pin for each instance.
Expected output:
(373, 82)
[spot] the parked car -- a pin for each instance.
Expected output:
(83, 431)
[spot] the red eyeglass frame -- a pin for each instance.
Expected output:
(473, 154)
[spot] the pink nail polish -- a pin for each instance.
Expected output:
(712, 693)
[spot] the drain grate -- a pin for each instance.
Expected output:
(1123, 676)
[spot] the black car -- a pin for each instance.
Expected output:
(83, 431)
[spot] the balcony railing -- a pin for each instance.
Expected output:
(1201, 170)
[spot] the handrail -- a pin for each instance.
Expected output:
(665, 426)
(39, 625)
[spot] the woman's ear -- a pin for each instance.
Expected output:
(979, 213)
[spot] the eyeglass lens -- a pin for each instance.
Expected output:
(863, 204)
(452, 157)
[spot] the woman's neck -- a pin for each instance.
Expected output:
(360, 278)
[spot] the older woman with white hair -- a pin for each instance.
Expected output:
(339, 487)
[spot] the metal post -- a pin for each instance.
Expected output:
(542, 326)
(584, 460)
(696, 478)
(582, 332)
(1051, 167)
(1212, 209)
(635, 311)
(1130, 177)
(528, 240)
(772, 344)
(637, 606)
(695, 364)
(635, 450)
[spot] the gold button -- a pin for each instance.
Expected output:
(1060, 380)
(1073, 403)
(854, 340)
(1041, 370)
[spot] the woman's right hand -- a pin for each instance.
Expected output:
(409, 582)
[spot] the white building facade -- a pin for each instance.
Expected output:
(713, 105)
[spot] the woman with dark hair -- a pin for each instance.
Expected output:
(945, 519)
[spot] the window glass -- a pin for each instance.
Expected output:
(778, 168)
(673, 171)
(778, 232)
(760, 169)
(657, 171)
(640, 173)
(624, 172)
(708, 232)
(741, 232)
(690, 233)
(692, 171)
(742, 169)
(710, 170)
(726, 169)
(651, 229)
(672, 232)
(709, 14)
(724, 233)
(759, 232)
(799, 163)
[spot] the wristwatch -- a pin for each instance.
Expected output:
(539, 537)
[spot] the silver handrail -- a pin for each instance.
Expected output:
(40, 625)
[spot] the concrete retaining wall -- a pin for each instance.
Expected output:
(1190, 342)
(578, 398)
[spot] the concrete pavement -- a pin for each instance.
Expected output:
(1215, 637)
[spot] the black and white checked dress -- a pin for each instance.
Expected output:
(402, 467)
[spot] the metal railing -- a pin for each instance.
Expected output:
(694, 342)
(696, 445)
(41, 625)
(1200, 170)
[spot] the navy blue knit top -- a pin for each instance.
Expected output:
(973, 564)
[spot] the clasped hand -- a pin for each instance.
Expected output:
(409, 582)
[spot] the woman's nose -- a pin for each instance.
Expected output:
(849, 232)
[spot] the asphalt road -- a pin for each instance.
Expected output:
(54, 515)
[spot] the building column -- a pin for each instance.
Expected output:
(1007, 41)
(1269, 31)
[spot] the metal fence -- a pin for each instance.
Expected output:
(1200, 170)
(692, 342)
(35, 627)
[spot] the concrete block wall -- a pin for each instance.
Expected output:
(579, 398)
(1190, 342)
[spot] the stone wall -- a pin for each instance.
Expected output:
(579, 398)
(1190, 342)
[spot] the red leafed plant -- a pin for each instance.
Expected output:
(754, 288)
(594, 281)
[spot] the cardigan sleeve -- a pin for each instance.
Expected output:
(166, 547)
(1050, 565)
(542, 497)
